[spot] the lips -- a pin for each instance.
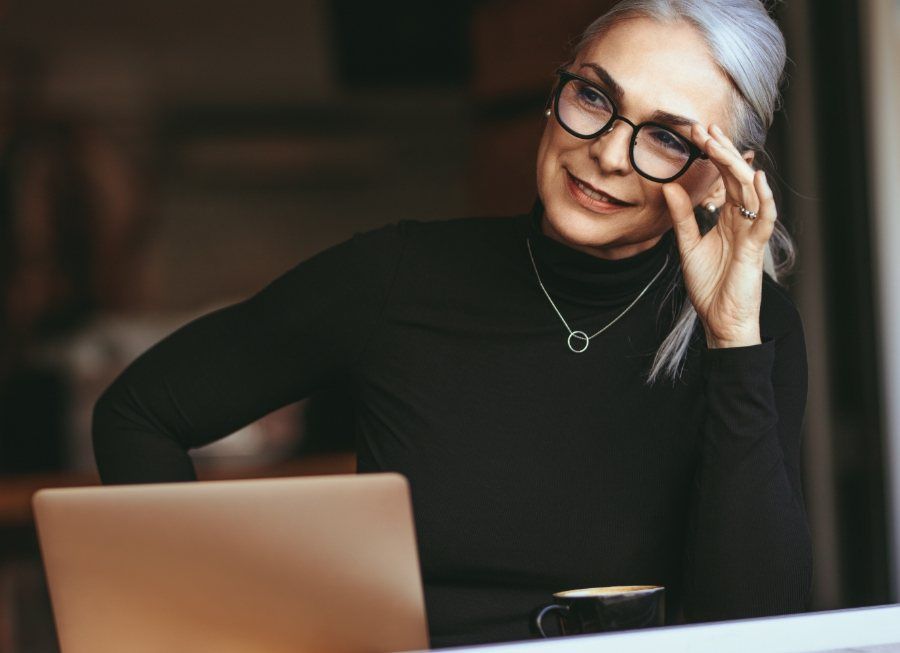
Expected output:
(608, 197)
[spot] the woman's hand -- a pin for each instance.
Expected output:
(723, 268)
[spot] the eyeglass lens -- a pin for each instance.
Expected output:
(658, 152)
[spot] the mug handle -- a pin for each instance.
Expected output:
(539, 616)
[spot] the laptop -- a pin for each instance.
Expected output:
(266, 566)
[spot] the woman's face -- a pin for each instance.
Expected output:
(658, 67)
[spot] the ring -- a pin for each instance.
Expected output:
(577, 337)
(747, 213)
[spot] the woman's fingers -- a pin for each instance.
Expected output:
(687, 231)
(736, 172)
(737, 175)
(760, 196)
(744, 174)
(767, 214)
(734, 185)
(742, 170)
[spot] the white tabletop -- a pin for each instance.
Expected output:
(857, 630)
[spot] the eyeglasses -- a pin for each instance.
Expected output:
(586, 111)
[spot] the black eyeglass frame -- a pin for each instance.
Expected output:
(565, 76)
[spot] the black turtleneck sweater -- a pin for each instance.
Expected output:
(533, 469)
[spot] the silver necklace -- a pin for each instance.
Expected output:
(578, 341)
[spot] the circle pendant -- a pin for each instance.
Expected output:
(578, 341)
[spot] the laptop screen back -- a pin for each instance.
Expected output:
(273, 565)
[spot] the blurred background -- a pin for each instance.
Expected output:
(160, 159)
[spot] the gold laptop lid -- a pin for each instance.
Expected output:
(325, 563)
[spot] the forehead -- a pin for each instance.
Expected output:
(661, 66)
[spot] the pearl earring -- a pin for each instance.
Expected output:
(710, 207)
(547, 113)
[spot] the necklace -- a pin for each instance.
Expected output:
(578, 341)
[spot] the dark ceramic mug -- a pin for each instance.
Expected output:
(604, 609)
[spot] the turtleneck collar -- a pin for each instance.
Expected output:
(579, 277)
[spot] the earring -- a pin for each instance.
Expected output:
(547, 113)
(710, 207)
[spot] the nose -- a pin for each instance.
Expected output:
(610, 148)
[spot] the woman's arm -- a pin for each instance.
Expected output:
(748, 549)
(234, 365)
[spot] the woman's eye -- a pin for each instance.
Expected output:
(591, 96)
(668, 140)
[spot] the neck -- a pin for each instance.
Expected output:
(597, 276)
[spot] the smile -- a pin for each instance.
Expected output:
(591, 199)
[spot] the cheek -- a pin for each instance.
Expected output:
(544, 154)
(656, 211)
(555, 142)
(654, 200)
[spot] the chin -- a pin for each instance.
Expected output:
(579, 226)
(601, 235)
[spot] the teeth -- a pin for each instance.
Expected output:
(590, 192)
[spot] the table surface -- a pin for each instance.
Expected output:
(874, 629)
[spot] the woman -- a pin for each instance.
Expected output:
(543, 380)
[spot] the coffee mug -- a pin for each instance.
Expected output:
(604, 609)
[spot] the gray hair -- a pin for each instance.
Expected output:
(749, 48)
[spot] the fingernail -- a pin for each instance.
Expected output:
(716, 129)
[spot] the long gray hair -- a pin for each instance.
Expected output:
(748, 46)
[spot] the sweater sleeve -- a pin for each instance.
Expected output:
(229, 367)
(748, 551)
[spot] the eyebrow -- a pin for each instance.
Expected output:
(618, 93)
